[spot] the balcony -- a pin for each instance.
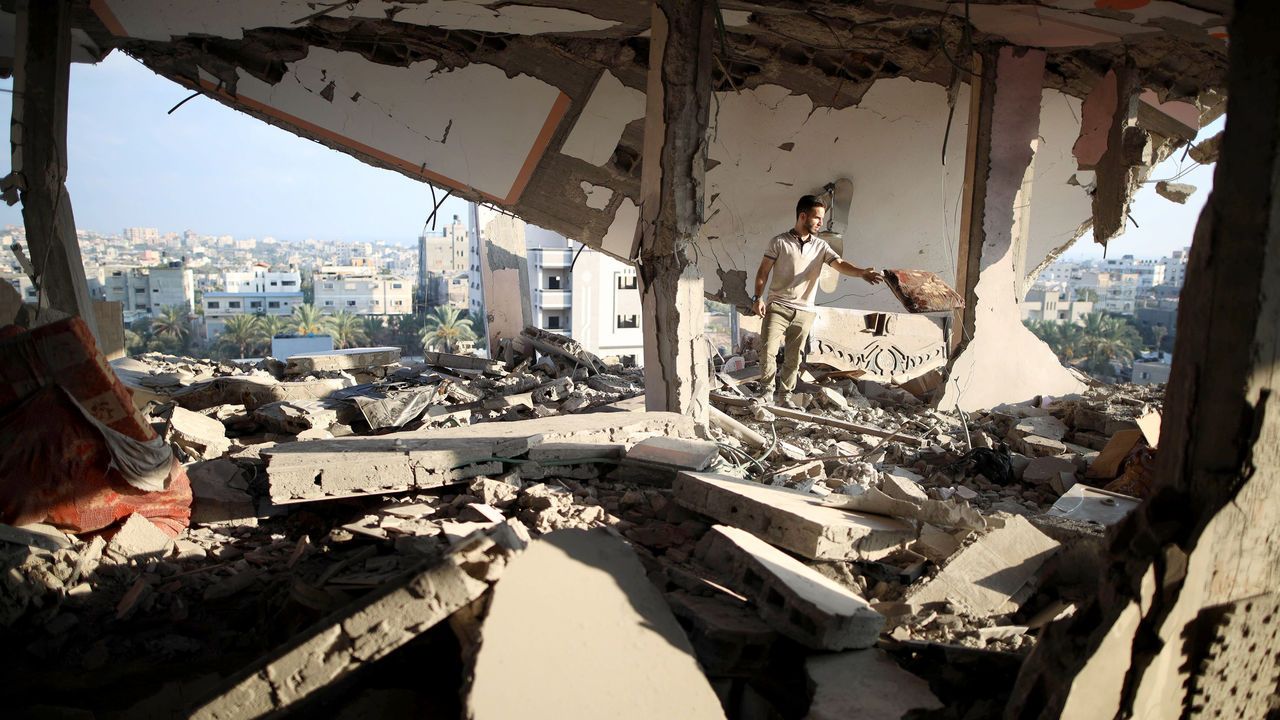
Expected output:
(556, 257)
(554, 299)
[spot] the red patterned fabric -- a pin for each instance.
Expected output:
(56, 466)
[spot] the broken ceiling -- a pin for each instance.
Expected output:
(538, 106)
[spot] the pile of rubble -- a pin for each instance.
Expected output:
(346, 505)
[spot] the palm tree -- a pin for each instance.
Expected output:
(375, 330)
(347, 330)
(446, 329)
(273, 325)
(306, 320)
(171, 323)
(241, 333)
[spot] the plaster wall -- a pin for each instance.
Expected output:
(598, 128)
(769, 147)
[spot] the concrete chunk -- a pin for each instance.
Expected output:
(796, 601)
(792, 520)
(864, 685)
(602, 643)
(139, 538)
(348, 359)
(219, 492)
(676, 452)
(1088, 504)
(200, 435)
(984, 575)
(366, 630)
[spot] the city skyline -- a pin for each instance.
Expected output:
(211, 169)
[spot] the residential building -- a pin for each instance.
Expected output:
(141, 235)
(1116, 292)
(584, 294)
(1152, 370)
(147, 291)
(23, 285)
(1175, 268)
(362, 290)
(1056, 304)
(218, 306)
(261, 279)
(1150, 273)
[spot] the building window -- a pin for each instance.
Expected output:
(553, 322)
(553, 282)
(328, 286)
(255, 304)
(626, 282)
(234, 304)
(351, 303)
(1062, 316)
(212, 304)
(290, 283)
(139, 291)
(273, 283)
(627, 321)
(328, 302)
(397, 286)
(273, 303)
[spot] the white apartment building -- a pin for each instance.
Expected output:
(362, 290)
(142, 235)
(1150, 272)
(147, 291)
(597, 302)
(218, 306)
(1175, 268)
(1056, 304)
(261, 279)
(1117, 292)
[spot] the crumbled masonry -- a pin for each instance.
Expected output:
(865, 519)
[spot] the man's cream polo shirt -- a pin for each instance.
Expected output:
(797, 266)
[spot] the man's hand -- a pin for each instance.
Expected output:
(873, 276)
(758, 307)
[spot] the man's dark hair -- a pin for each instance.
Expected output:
(807, 203)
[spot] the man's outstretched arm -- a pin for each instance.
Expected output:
(845, 267)
(762, 277)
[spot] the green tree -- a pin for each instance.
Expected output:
(1086, 295)
(243, 334)
(307, 320)
(273, 325)
(446, 329)
(1158, 334)
(171, 323)
(347, 330)
(376, 331)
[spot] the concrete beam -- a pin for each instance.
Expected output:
(677, 376)
(41, 76)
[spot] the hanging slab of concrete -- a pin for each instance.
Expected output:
(795, 600)
(864, 685)
(396, 462)
(576, 630)
(366, 631)
(348, 359)
(792, 520)
(985, 574)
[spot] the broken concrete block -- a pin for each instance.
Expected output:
(554, 391)
(790, 519)
(985, 574)
(1175, 191)
(591, 598)
(201, 436)
(902, 488)
(366, 630)
(1149, 424)
(1036, 446)
(936, 544)
(552, 452)
(37, 535)
(1107, 465)
(1044, 470)
(727, 637)
(675, 452)
(832, 398)
(348, 359)
(138, 538)
(219, 492)
(864, 685)
(460, 362)
(1087, 504)
(795, 600)
(291, 417)
(480, 513)
(1045, 426)
(801, 477)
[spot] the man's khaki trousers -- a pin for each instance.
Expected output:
(782, 322)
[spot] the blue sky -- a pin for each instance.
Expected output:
(217, 171)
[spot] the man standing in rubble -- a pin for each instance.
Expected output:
(796, 258)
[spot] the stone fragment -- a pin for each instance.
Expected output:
(365, 630)
(291, 417)
(936, 544)
(675, 452)
(902, 488)
(596, 613)
(1107, 465)
(201, 436)
(986, 573)
(1035, 446)
(794, 599)
(1045, 426)
(800, 477)
(1045, 470)
(790, 519)
(1175, 191)
(480, 512)
(460, 362)
(219, 492)
(832, 398)
(138, 538)
(864, 685)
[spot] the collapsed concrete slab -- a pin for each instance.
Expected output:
(657, 460)
(864, 685)
(982, 577)
(365, 631)
(795, 600)
(397, 462)
(604, 643)
(348, 359)
(792, 520)
(728, 638)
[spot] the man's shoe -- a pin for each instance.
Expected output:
(785, 400)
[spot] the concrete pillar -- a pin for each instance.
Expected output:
(504, 272)
(996, 358)
(41, 74)
(676, 360)
(1184, 623)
